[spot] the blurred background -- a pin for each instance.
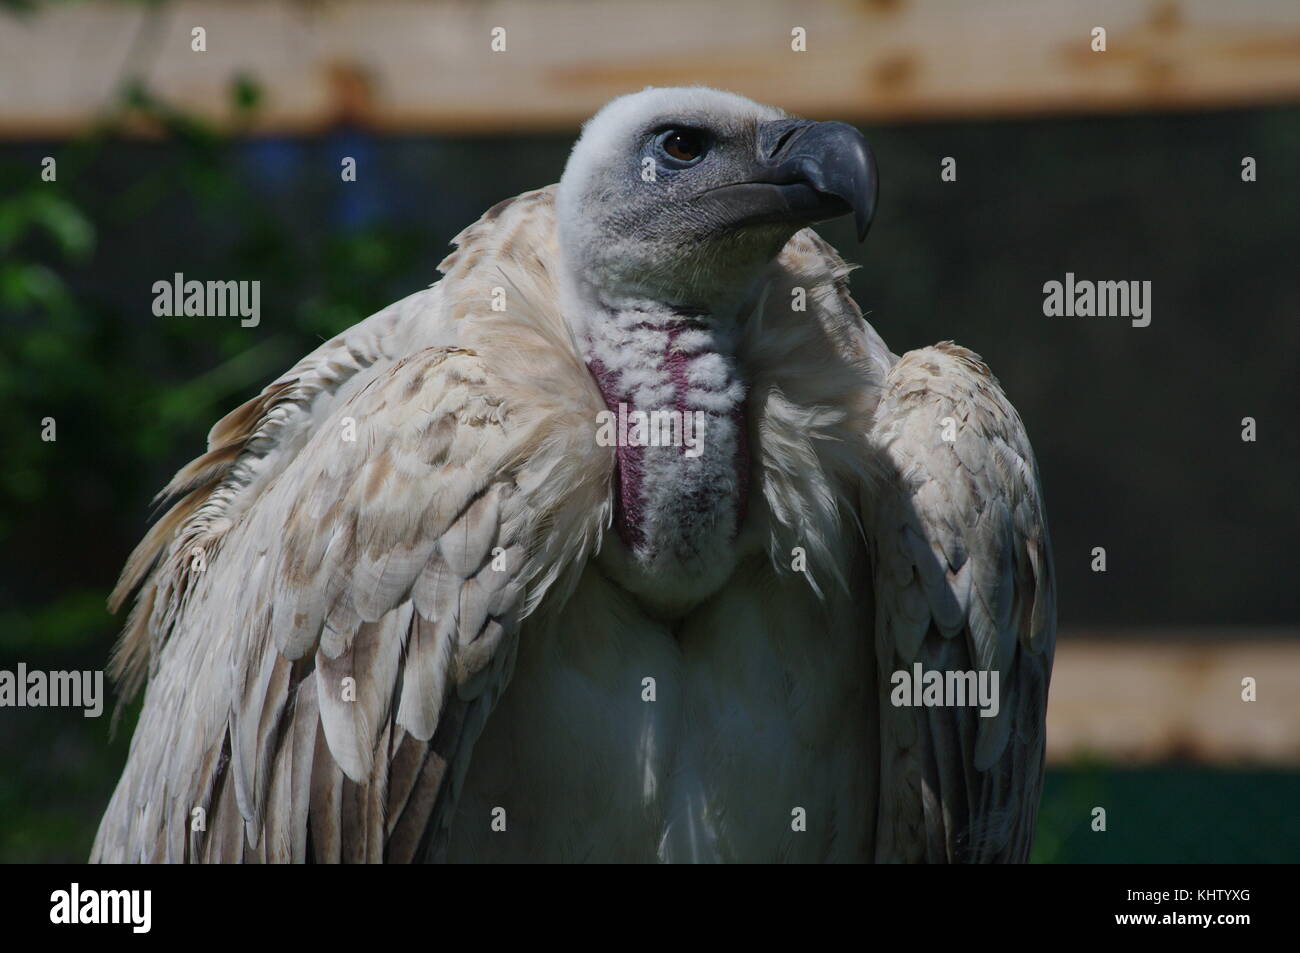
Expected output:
(1123, 164)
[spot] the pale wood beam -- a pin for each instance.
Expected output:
(410, 66)
(1145, 696)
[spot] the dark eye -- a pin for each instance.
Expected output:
(684, 145)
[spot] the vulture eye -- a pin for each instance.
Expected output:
(684, 145)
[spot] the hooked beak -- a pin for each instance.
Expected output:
(806, 172)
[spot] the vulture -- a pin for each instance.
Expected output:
(628, 540)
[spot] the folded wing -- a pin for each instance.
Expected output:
(329, 611)
(963, 581)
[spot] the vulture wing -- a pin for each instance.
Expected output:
(963, 581)
(329, 611)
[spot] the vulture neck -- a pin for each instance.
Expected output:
(676, 415)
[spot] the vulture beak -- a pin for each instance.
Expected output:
(805, 172)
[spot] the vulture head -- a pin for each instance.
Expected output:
(682, 195)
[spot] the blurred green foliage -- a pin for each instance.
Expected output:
(1169, 814)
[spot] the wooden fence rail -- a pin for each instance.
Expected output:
(1146, 697)
(430, 65)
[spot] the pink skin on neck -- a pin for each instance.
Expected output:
(629, 503)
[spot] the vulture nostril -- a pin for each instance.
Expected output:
(780, 143)
(786, 131)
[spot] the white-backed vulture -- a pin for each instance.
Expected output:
(625, 541)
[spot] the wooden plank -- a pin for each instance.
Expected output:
(401, 65)
(1133, 697)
